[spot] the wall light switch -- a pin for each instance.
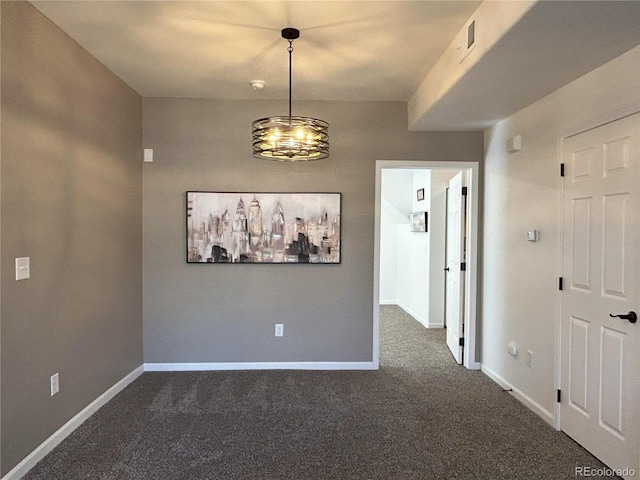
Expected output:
(23, 270)
(532, 235)
(55, 384)
(148, 155)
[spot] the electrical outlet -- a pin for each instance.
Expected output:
(55, 384)
(529, 358)
(279, 330)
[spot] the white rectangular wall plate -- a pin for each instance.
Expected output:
(279, 330)
(148, 155)
(514, 144)
(55, 384)
(23, 268)
(532, 235)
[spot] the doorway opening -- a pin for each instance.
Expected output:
(469, 254)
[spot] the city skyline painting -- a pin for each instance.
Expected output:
(254, 227)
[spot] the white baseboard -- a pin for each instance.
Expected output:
(388, 302)
(424, 322)
(63, 432)
(192, 367)
(474, 366)
(418, 318)
(543, 413)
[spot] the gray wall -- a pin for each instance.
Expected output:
(226, 313)
(71, 200)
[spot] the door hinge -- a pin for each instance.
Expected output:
(562, 169)
(461, 342)
(559, 398)
(559, 283)
(464, 190)
(463, 267)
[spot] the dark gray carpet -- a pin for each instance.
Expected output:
(419, 417)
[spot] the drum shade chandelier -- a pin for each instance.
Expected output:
(289, 138)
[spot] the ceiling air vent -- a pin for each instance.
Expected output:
(467, 39)
(471, 34)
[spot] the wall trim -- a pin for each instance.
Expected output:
(519, 395)
(423, 321)
(416, 317)
(63, 432)
(222, 366)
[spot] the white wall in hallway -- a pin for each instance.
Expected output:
(412, 264)
(390, 218)
(413, 256)
(395, 207)
(404, 255)
(522, 190)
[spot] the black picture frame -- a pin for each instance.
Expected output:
(263, 227)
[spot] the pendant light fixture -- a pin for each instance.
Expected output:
(289, 138)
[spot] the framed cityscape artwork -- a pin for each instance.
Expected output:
(252, 227)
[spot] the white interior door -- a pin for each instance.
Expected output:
(454, 304)
(601, 265)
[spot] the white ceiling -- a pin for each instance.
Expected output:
(347, 50)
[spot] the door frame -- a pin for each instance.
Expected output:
(470, 358)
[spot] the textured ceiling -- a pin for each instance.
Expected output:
(348, 50)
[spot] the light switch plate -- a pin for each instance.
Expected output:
(23, 270)
(532, 235)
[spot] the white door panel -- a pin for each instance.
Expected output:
(454, 304)
(601, 264)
